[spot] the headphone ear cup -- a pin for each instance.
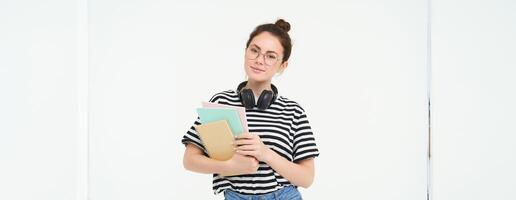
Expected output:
(265, 99)
(247, 98)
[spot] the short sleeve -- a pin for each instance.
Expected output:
(192, 136)
(304, 140)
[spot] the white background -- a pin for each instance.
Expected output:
(96, 95)
(473, 95)
(38, 100)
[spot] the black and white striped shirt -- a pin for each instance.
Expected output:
(283, 127)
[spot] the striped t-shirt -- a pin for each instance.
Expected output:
(283, 127)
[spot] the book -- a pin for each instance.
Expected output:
(217, 138)
(241, 112)
(231, 115)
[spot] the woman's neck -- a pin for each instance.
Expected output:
(258, 87)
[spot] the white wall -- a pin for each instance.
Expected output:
(357, 64)
(473, 95)
(133, 150)
(38, 105)
(134, 92)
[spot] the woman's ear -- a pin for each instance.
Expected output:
(282, 67)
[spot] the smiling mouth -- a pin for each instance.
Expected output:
(257, 69)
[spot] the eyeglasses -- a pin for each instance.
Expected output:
(253, 52)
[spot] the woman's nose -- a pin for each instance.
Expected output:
(260, 60)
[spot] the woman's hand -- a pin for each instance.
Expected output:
(240, 164)
(251, 145)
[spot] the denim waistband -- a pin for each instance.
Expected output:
(287, 192)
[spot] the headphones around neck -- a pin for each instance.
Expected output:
(267, 97)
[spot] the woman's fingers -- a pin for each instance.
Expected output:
(246, 148)
(246, 135)
(244, 142)
(246, 139)
(246, 153)
(250, 145)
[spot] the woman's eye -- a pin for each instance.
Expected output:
(271, 56)
(254, 50)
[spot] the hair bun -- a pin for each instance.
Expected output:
(283, 25)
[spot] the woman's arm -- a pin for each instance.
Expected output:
(195, 160)
(300, 174)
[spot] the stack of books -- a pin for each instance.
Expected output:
(220, 125)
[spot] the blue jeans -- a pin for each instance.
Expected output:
(286, 193)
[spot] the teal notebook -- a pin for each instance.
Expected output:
(231, 115)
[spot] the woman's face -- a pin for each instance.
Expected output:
(263, 57)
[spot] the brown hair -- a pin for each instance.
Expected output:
(280, 30)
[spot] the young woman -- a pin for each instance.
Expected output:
(276, 155)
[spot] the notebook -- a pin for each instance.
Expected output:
(241, 112)
(217, 139)
(231, 115)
